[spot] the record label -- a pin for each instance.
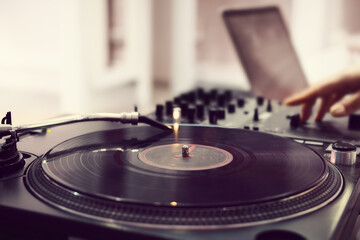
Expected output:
(200, 157)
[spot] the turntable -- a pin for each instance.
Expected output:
(100, 179)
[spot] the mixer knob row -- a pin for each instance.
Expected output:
(198, 105)
(207, 98)
(215, 97)
(192, 112)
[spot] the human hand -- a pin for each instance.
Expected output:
(332, 94)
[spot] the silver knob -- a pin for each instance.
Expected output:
(343, 153)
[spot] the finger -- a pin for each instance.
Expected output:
(300, 98)
(346, 106)
(306, 110)
(310, 93)
(326, 103)
(316, 91)
(323, 108)
(351, 77)
(345, 82)
(340, 84)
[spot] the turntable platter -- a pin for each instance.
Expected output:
(226, 170)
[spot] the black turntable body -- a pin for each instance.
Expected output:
(254, 174)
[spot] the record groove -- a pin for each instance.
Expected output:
(58, 179)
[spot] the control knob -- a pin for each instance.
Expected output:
(343, 153)
(259, 100)
(213, 116)
(269, 106)
(240, 102)
(221, 113)
(168, 108)
(191, 114)
(159, 112)
(231, 108)
(256, 115)
(200, 110)
(354, 122)
(295, 120)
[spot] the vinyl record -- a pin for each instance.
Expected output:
(146, 167)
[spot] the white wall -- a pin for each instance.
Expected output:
(30, 56)
(54, 58)
(162, 40)
(319, 37)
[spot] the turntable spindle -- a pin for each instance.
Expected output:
(185, 151)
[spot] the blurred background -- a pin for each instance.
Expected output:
(80, 56)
